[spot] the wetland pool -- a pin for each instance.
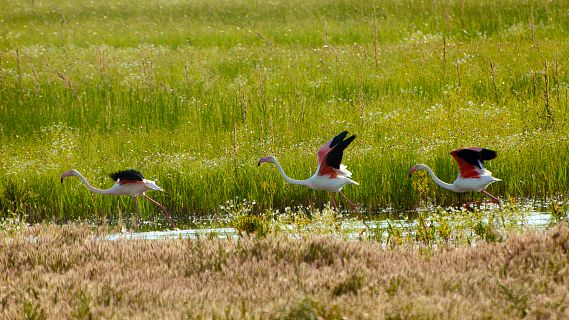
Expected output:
(348, 228)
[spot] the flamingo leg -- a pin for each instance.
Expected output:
(355, 210)
(139, 220)
(333, 201)
(163, 208)
(468, 205)
(494, 199)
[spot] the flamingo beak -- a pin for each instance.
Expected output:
(263, 160)
(411, 171)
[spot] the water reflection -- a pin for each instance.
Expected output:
(531, 218)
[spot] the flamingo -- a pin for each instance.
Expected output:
(330, 174)
(127, 182)
(472, 175)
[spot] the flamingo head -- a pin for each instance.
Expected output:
(69, 173)
(269, 159)
(416, 167)
(413, 169)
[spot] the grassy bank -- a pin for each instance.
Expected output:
(192, 94)
(54, 272)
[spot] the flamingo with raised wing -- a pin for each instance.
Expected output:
(127, 182)
(330, 174)
(472, 175)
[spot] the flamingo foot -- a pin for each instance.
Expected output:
(357, 212)
(163, 208)
(494, 199)
(333, 202)
(470, 206)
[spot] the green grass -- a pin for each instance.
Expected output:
(192, 94)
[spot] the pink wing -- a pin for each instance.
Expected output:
(324, 149)
(327, 147)
(470, 160)
(331, 153)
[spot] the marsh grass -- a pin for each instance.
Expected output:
(430, 228)
(69, 271)
(559, 213)
(192, 94)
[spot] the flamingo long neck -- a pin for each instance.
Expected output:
(90, 187)
(287, 178)
(438, 181)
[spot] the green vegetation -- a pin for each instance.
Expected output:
(193, 93)
(430, 228)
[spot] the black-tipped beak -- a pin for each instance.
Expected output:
(259, 164)
(61, 179)
(409, 175)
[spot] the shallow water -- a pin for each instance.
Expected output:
(222, 233)
(532, 218)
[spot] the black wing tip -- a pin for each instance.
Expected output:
(487, 154)
(340, 138)
(345, 143)
(350, 139)
(129, 174)
(475, 155)
(335, 156)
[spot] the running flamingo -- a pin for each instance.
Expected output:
(472, 174)
(330, 174)
(127, 182)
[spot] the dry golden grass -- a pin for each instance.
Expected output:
(64, 272)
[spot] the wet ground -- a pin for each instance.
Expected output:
(532, 218)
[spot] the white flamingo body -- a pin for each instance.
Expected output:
(461, 184)
(472, 175)
(317, 182)
(471, 184)
(134, 186)
(327, 183)
(134, 189)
